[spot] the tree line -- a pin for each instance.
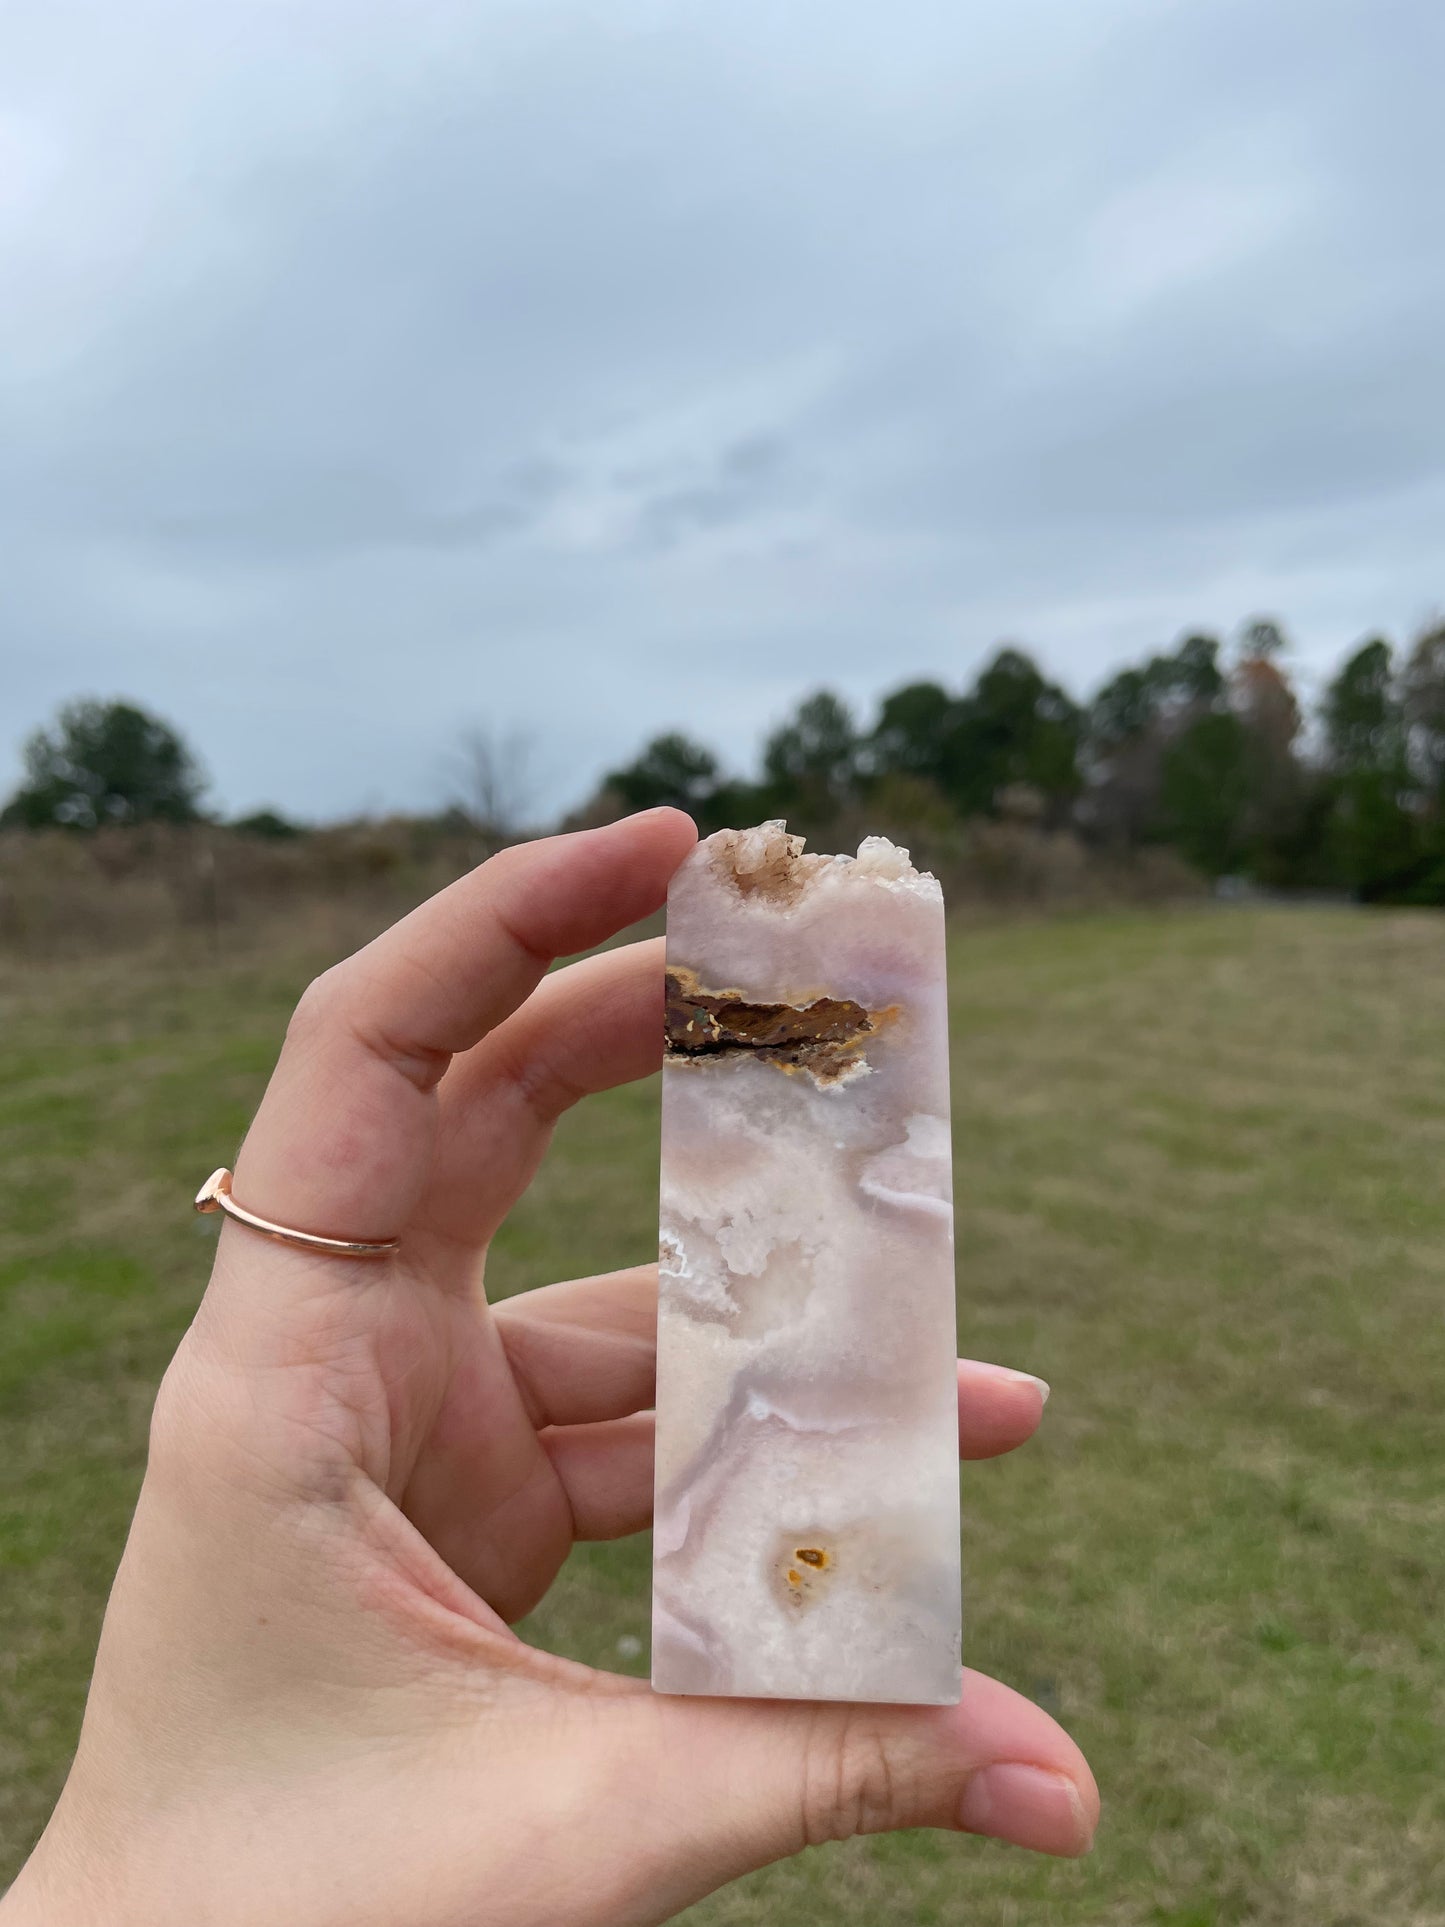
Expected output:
(1203, 749)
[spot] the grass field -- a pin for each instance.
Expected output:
(1199, 1176)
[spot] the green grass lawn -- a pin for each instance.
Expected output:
(1199, 1174)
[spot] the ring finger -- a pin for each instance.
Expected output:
(583, 1357)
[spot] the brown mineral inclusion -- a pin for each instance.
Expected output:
(825, 1036)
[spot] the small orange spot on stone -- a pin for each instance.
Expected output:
(812, 1556)
(794, 1578)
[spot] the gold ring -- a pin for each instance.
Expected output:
(215, 1195)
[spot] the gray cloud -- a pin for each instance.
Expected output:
(370, 369)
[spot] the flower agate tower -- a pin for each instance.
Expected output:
(806, 1537)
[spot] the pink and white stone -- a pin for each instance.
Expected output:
(806, 1537)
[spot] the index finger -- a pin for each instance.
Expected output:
(343, 1137)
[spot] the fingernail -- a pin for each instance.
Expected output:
(1027, 1805)
(1031, 1378)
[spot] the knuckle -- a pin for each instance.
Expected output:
(543, 1088)
(187, 1424)
(853, 1782)
(171, 1431)
(316, 1007)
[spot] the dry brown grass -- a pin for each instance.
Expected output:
(189, 891)
(171, 890)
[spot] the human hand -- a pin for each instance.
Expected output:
(307, 1704)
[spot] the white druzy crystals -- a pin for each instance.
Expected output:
(806, 1540)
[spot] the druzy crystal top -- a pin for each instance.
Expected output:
(806, 1530)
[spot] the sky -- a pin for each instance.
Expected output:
(372, 373)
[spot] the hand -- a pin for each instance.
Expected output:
(307, 1704)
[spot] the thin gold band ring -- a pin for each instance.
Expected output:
(215, 1195)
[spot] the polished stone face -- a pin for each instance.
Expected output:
(806, 1542)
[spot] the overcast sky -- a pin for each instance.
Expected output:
(368, 370)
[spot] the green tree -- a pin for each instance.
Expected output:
(1164, 690)
(106, 762)
(1195, 676)
(1012, 727)
(1424, 706)
(671, 769)
(1363, 717)
(911, 735)
(1124, 708)
(1424, 709)
(1372, 834)
(1374, 844)
(812, 762)
(1204, 792)
(1132, 723)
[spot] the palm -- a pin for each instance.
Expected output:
(531, 1429)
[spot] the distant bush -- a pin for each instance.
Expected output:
(268, 824)
(67, 895)
(1015, 861)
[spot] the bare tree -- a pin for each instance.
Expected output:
(494, 783)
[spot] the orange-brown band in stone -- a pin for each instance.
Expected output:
(825, 1036)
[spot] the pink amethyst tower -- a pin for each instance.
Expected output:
(806, 1542)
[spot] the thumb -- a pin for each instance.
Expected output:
(738, 1783)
